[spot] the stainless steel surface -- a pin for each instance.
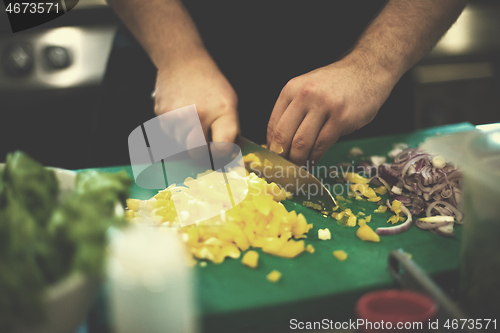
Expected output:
(459, 80)
(410, 276)
(88, 47)
(475, 32)
(297, 180)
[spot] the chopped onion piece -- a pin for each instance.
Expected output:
(399, 228)
(438, 162)
(433, 219)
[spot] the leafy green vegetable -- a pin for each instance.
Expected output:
(42, 240)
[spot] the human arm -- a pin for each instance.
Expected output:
(315, 109)
(187, 73)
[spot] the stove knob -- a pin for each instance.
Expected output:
(17, 60)
(57, 57)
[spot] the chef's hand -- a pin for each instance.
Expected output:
(199, 82)
(315, 109)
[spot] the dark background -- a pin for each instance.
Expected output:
(259, 46)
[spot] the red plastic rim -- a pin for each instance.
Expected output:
(396, 305)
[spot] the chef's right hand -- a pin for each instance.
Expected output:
(199, 82)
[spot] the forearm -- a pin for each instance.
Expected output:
(164, 28)
(404, 32)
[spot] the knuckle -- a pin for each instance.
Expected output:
(300, 143)
(278, 136)
(307, 90)
(320, 146)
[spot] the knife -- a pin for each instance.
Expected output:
(306, 189)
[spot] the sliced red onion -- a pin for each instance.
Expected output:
(397, 190)
(427, 225)
(404, 199)
(445, 230)
(457, 195)
(410, 162)
(458, 214)
(383, 182)
(424, 184)
(399, 228)
(437, 187)
(446, 193)
(389, 170)
(419, 165)
(422, 187)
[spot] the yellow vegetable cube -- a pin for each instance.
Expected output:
(249, 157)
(393, 219)
(291, 249)
(381, 190)
(396, 205)
(356, 178)
(310, 248)
(340, 255)
(366, 233)
(324, 234)
(133, 204)
(351, 221)
(381, 209)
(250, 259)
(274, 276)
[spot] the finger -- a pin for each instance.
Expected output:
(285, 129)
(328, 135)
(280, 106)
(305, 137)
(225, 128)
(196, 144)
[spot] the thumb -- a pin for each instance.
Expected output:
(224, 129)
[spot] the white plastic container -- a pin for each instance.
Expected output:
(477, 154)
(150, 284)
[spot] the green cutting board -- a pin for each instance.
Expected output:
(235, 298)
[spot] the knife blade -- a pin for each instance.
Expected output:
(306, 189)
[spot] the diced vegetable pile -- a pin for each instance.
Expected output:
(259, 221)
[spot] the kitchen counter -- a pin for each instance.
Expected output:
(234, 298)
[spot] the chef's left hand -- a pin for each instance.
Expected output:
(315, 109)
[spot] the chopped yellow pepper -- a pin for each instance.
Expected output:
(260, 220)
(340, 255)
(380, 209)
(310, 248)
(250, 259)
(274, 276)
(356, 178)
(366, 233)
(324, 234)
(393, 219)
(381, 190)
(351, 221)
